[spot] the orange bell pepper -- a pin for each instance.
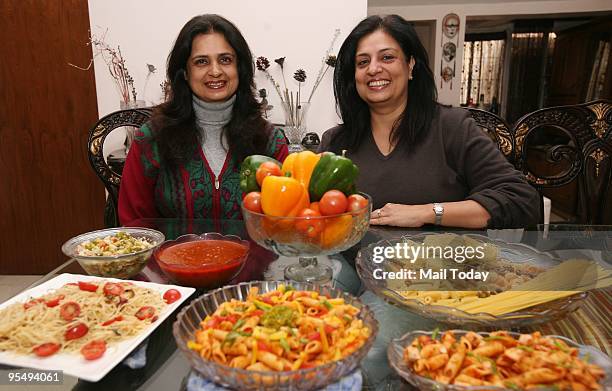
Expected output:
(301, 165)
(336, 230)
(283, 196)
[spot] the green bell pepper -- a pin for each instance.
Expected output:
(248, 169)
(332, 172)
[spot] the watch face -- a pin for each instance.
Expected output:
(438, 209)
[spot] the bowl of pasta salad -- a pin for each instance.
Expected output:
(114, 252)
(499, 360)
(275, 335)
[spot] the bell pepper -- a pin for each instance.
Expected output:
(300, 165)
(336, 231)
(248, 170)
(283, 196)
(332, 172)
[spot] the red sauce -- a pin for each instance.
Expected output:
(203, 263)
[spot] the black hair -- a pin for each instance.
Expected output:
(354, 111)
(174, 123)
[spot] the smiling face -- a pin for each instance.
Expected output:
(212, 69)
(382, 71)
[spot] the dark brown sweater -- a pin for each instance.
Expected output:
(455, 161)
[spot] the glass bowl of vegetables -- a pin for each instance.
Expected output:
(114, 252)
(306, 237)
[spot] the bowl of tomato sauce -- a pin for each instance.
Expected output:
(206, 261)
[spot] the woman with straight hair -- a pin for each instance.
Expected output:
(185, 162)
(422, 162)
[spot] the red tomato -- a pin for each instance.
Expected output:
(32, 303)
(265, 169)
(262, 346)
(112, 289)
(46, 349)
(94, 349)
(87, 286)
(315, 206)
(76, 331)
(70, 310)
(311, 224)
(171, 296)
(356, 202)
(252, 202)
(113, 320)
(54, 302)
(145, 312)
(314, 336)
(333, 202)
(257, 313)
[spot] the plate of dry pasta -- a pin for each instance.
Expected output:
(83, 325)
(499, 360)
(470, 290)
(275, 334)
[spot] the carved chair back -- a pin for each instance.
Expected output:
(497, 129)
(576, 143)
(95, 151)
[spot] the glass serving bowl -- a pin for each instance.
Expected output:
(202, 271)
(542, 313)
(115, 266)
(396, 348)
(288, 236)
(188, 321)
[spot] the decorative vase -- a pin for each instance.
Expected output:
(295, 124)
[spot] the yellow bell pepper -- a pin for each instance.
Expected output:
(301, 165)
(336, 230)
(283, 196)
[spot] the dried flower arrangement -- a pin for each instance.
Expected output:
(292, 101)
(113, 58)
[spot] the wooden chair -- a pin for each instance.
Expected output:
(95, 143)
(575, 144)
(497, 129)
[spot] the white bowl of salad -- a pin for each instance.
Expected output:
(114, 252)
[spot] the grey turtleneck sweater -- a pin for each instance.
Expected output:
(211, 117)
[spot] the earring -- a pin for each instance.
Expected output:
(410, 77)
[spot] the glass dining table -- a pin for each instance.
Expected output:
(167, 369)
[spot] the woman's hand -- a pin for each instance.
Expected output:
(399, 215)
(466, 214)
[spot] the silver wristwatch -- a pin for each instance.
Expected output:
(439, 211)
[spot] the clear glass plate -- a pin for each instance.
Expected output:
(542, 313)
(397, 346)
(189, 319)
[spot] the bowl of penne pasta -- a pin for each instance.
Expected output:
(275, 335)
(494, 290)
(499, 360)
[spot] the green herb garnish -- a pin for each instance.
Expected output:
(327, 304)
(435, 333)
(284, 344)
(526, 348)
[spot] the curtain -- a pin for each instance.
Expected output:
(482, 72)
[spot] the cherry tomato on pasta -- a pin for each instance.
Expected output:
(145, 312)
(171, 296)
(93, 350)
(87, 286)
(112, 289)
(70, 310)
(55, 301)
(46, 349)
(76, 331)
